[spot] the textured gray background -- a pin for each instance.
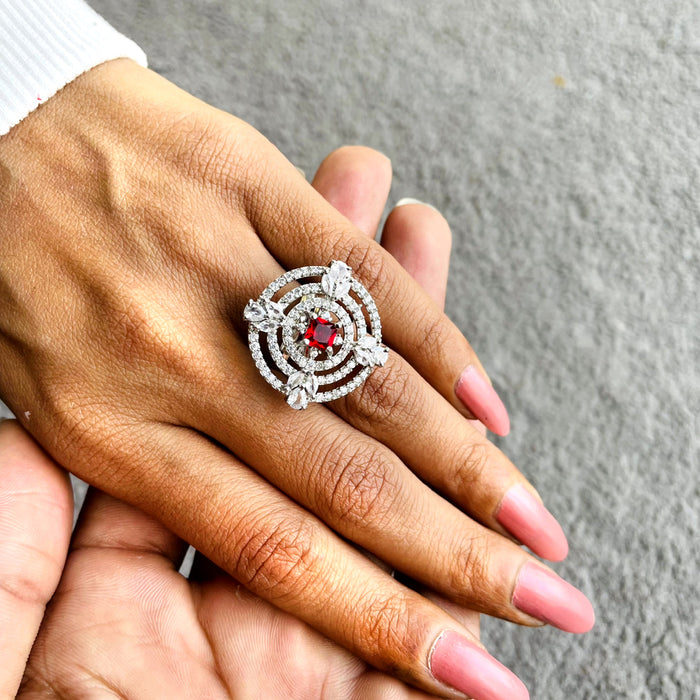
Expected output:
(562, 142)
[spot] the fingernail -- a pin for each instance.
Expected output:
(547, 597)
(410, 200)
(481, 399)
(459, 663)
(524, 516)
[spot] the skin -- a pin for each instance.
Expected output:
(136, 223)
(121, 573)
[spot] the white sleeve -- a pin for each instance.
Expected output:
(44, 44)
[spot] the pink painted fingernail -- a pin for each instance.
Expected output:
(481, 399)
(524, 516)
(459, 663)
(544, 595)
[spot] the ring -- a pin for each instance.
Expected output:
(319, 339)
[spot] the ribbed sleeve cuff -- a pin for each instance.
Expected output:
(44, 44)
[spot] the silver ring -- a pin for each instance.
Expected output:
(315, 334)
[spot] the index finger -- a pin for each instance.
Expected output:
(307, 230)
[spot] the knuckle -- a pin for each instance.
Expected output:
(469, 567)
(364, 487)
(388, 392)
(93, 441)
(135, 328)
(369, 264)
(95, 436)
(208, 148)
(472, 461)
(142, 332)
(387, 626)
(437, 337)
(79, 423)
(278, 560)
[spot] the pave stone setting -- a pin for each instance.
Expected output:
(321, 339)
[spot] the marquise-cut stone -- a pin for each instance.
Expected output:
(304, 380)
(275, 312)
(370, 353)
(380, 355)
(298, 398)
(273, 319)
(254, 311)
(336, 282)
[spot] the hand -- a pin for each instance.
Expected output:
(136, 223)
(122, 571)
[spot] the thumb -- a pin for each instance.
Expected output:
(36, 515)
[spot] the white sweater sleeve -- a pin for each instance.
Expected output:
(44, 44)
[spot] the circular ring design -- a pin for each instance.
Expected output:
(318, 340)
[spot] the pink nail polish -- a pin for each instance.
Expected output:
(481, 399)
(542, 594)
(524, 516)
(459, 663)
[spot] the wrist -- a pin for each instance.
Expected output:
(52, 42)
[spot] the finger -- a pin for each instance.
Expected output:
(347, 179)
(107, 523)
(308, 231)
(423, 249)
(286, 556)
(394, 401)
(419, 238)
(363, 491)
(36, 515)
(356, 181)
(408, 231)
(421, 242)
(250, 633)
(400, 410)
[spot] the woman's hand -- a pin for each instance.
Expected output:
(122, 570)
(136, 223)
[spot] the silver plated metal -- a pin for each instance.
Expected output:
(315, 333)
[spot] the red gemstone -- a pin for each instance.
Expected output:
(320, 333)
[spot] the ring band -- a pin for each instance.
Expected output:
(318, 340)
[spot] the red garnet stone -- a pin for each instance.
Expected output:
(320, 333)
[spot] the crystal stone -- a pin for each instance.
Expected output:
(298, 398)
(336, 282)
(370, 353)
